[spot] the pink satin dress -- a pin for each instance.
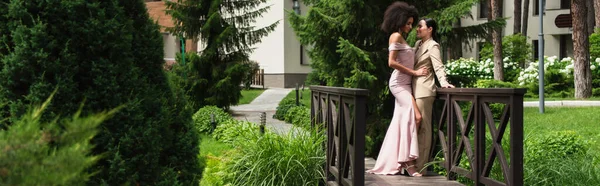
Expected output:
(400, 143)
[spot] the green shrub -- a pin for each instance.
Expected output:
(207, 82)
(375, 134)
(294, 159)
(595, 44)
(557, 83)
(560, 158)
(215, 173)
(490, 83)
(104, 54)
(48, 153)
(561, 144)
(514, 47)
(231, 130)
(596, 92)
(558, 77)
(562, 171)
(202, 118)
(253, 68)
(283, 107)
(299, 116)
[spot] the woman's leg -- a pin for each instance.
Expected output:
(418, 116)
(425, 132)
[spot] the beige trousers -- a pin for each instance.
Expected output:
(425, 131)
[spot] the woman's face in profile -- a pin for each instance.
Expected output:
(408, 26)
(423, 30)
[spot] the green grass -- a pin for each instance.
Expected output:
(304, 97)
(559, 99)
(249, 95)
(209, 145)
(583, 120)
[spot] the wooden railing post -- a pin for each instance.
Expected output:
(344, 117)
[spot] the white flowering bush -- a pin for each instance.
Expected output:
(558, 76)
(595, 67)
(530, 74)
(466, 71)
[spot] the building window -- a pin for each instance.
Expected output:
(536, 51)
(565, 4)
(483, 9)
(536, 6)
(566, 46)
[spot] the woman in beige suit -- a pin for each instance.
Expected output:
(424, 88)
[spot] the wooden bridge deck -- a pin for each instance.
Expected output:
(383, 180)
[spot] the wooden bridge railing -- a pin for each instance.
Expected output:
(343, 112)
(454, 133)
(258, 79)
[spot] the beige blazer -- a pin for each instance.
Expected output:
(428, 55)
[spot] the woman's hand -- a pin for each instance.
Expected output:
(423, 71)
(448, 86)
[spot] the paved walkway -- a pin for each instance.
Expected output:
(563, 103)
(266, 102)
(387, 180)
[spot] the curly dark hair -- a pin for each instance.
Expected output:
(396, 15)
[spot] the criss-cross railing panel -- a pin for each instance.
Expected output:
(495, 110)
(342, 111)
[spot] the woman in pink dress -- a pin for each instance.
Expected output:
(400, 146)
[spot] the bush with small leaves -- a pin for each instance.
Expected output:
(202, 118)
(283, 107)
(299, 116)
(231, 130)
(35, 152)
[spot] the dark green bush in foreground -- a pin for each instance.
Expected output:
(104, 54)
(48, 153)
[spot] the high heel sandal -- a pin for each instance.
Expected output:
(410, 170)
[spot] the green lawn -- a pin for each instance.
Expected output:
(209, 145)
(304, 97)
(249, 95)
(558, 99)
(583, 120)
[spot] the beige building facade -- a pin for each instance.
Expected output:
(280, 53)
(284, 61)
(557, 29)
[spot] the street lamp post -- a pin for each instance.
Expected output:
(541, 56)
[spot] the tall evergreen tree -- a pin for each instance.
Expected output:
(350, 50)
(225, 29)
(4, 32)
(103, 54)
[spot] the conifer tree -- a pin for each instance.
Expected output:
(104, 54)
(225, 29)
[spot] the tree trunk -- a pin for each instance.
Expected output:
(489, 17)
(517, 25)
(497, 42)
(525, 17)
(597, 13)
(582, 71)
(590, 16)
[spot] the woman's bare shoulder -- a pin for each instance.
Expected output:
(396, 38)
